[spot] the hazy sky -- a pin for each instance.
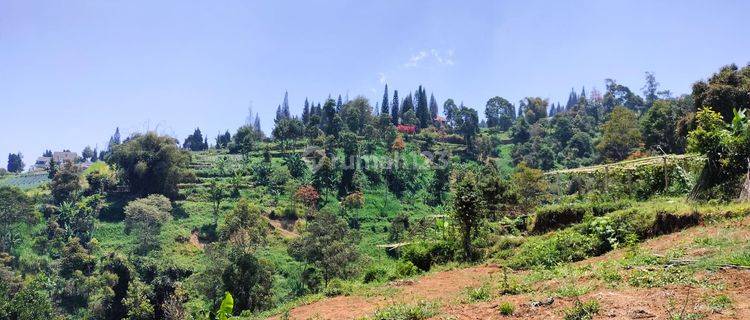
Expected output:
(72, 71)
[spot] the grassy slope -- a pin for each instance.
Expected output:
(683, 274)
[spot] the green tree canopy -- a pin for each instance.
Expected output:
(725, 91)
(620, 135)
(151, 163)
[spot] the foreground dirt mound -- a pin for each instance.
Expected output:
(689, 299)
(441, 286)
(630, 303)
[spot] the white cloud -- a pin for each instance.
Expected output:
(382, 78)
(435, 56)
(415, 59)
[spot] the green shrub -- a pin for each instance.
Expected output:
(336, 287)
(420, 311)
(290, 213)
(661, 277)
(507, 308)
(481, 293)
(719, 303)
(610, 232)
(508, 242)
(442, 251)
(741, 259)
(374, 274)
(550, 250)
(582, 310)
(419, 254)
(553, 217)
(404, 269)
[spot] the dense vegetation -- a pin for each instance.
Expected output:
(346, 195)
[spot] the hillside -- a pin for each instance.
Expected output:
(612, 206)
(701, 272)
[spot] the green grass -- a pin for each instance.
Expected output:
(507, 308)
(582, 310)
(419, 311)
(481, 293)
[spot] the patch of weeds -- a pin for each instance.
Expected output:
(507, 308)
(660, 277)
(679, 310)
(582, 310)
(510, 285)
(481, 293)
(636, 256)
(420, 311)
(719, 303)
(675, 253)
(572, 290)
(609, 273)
(741, 259)
(711, 242)
(337, 287)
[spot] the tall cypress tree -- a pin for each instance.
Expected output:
(407, 108)
(327, 120)
(384, 106)
(279, 114)
(395, 112)
(572, 99)
(256, 124)
(306, 112)
(285, 106)
(423, 111)
(433, 107)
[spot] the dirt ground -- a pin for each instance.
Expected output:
(448, 288)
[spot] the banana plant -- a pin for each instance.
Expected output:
(739, 121)
(226, 308)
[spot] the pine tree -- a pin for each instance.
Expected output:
(395, 112)
(279, 114)
(407, 107)
(285, 106)
(115, 139)
(384, 106)
(306, 112)
(433, 107)
(572, 100)
(521, 104)
(256, 125)
(327, 120)
(423, 111)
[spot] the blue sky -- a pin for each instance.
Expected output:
(72, 71)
